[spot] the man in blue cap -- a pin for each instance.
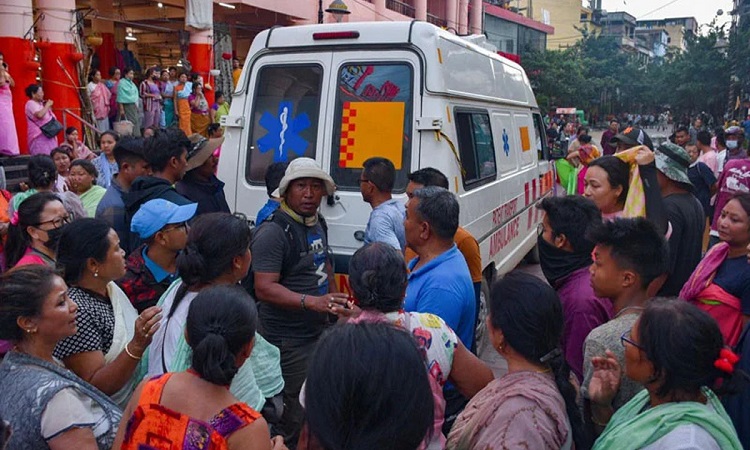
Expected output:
(152, 267)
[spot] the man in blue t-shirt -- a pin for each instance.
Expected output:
(439, 282)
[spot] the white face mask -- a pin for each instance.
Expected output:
(731, 145)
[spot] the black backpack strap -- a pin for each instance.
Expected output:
(296, 241)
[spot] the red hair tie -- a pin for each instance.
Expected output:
(726, 361)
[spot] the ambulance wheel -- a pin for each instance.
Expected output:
(482, 311)
(533, 256)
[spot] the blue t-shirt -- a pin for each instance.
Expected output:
(443, 287)
(734, 277)
(386, 225)
(267, 209)
(746, 126)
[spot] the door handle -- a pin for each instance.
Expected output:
(332, 199)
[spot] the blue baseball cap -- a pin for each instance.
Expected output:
(155, 214)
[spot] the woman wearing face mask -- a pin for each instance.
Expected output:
(127, 99)
(35, 230)
(151, 95)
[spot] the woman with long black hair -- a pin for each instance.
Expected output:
(534, 405)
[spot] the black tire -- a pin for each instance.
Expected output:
(481, 326)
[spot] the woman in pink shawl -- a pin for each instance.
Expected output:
(8, 134)
(534, 405)
(100, 97)
(720, 285)
(38, 113)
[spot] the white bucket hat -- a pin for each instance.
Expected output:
(304, 168)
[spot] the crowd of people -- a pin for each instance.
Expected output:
(162, 98)
(137, 311)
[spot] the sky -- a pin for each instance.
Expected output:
(703, 10)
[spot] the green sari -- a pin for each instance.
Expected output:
(630, 428)
(91, 198)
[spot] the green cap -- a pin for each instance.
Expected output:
(673, 161)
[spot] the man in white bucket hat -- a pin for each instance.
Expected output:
(293, 279)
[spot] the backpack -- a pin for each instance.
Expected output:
(295, 254)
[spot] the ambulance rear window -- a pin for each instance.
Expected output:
(373, 117)
(284, 118)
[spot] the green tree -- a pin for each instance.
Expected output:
(556, 77)
(597, 75)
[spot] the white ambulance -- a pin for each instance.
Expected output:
(408, 91)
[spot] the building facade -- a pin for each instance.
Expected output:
(569, 19)
(513, 33)
(678, 29)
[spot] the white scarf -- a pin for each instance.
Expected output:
(125, 317)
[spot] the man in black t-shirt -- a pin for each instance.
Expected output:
(684, 213)
(293, 280)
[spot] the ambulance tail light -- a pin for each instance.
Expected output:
(335, 35)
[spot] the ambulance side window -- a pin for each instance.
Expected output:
(373, 117)
(475, 147)
(284, 117)
(540, 138)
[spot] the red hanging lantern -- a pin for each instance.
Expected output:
(226, 56)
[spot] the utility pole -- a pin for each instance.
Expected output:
(320, 11)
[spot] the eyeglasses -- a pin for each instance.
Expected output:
(56, 223)
(362, 180)
(626, 338)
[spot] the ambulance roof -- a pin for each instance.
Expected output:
(454, 66)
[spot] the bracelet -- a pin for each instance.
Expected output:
(137, 358)
(302, 301)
